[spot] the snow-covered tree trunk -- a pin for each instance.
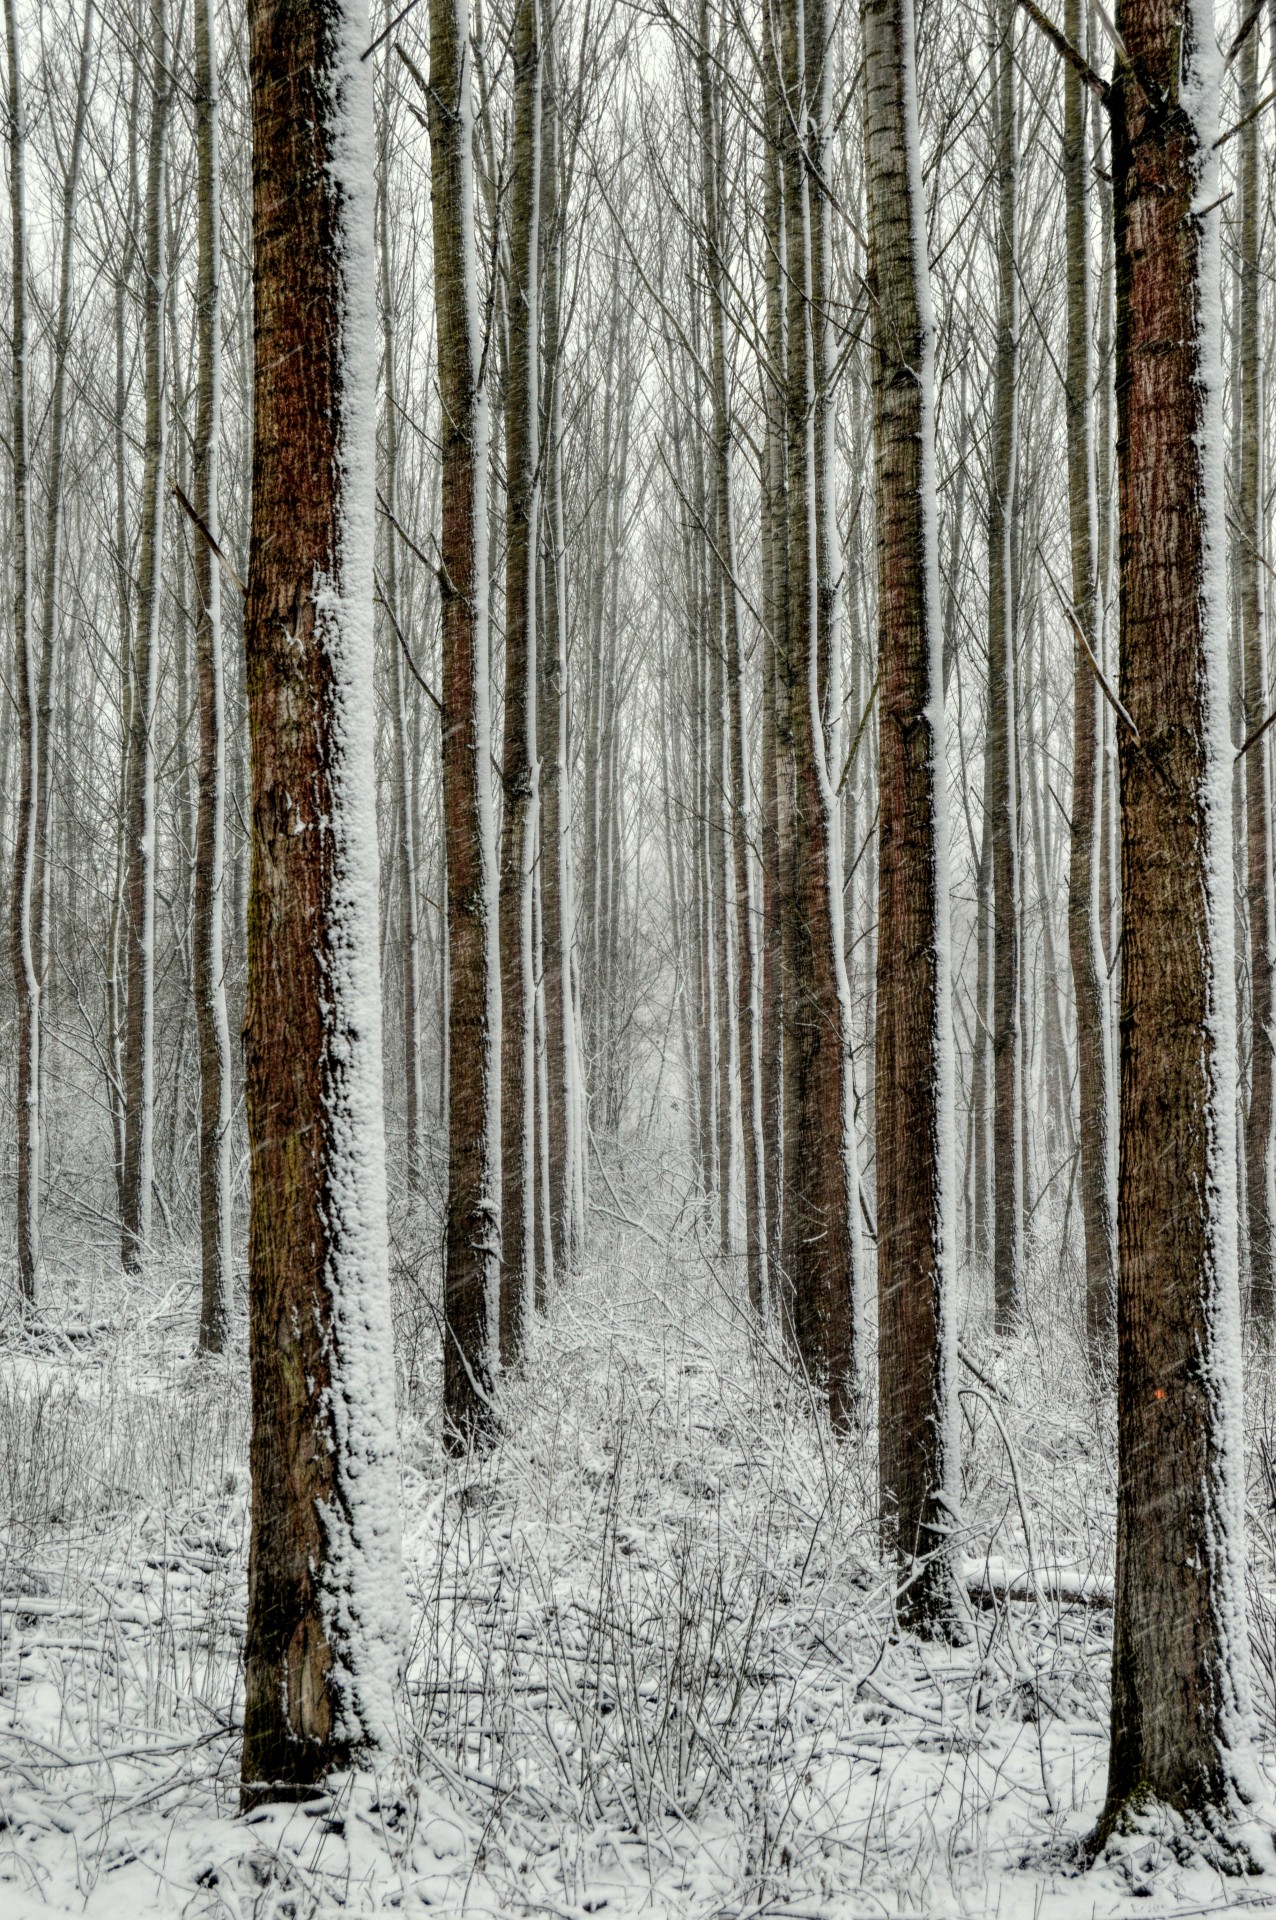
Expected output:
(1260, 1173)
(404, 766)
(740, 876)
(325, 1602)
(210, 823)
(1001, 795)
(54, 515)
(775, 790)
(562, 1058)
(26, 977)
(519, 757)
(916, 1095)
(1096, 1089)
(820, 1209)
(1180, 1695)
(472, 1254)
(139, 885)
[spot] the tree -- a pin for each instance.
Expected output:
(210, 825)
(1001, 785)
(324, 1585)
(1097, 1094)
(916, 1243)
(519, 772)
(822, 1270)
(137, 1184)
(26, 977)
(1260, 1171)
(472, 1250)
(1180, 1706)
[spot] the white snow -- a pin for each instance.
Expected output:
(650, 1658)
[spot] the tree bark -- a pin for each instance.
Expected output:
(820, 1228)
(1001, 796)
(139, 885)
(740, 880)
(26, 978)
(472, 1252)
(1097, 1093)
(210, 825)
(519, 759)
(325, 1604)
(1180, 1708)
(916, 1094)
(1256, 767)
(404, 760)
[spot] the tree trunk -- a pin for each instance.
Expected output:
(519, 759)
(1001, 786)
(916, 1201)
(26, 978)
(472, 1252)
(1085, 904)
(775, 792)
(1260, 1192)
(1180, 1707)
(325, 1603)
(740, 879)
(404, 759)
(819, 1224)
(561, 1067)
(210, 824)
(139, 885)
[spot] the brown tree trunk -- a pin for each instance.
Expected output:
(1001, 797)
(1260, 1190)
(210, 989)
(1085, 905)
(26, 977)
(472, 1250)
(916, 1224)
(519, 759)
(818, 1226)
(324, 1589)
(1180, 1705)
(775, 792)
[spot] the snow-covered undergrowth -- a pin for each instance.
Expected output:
(653, 1666)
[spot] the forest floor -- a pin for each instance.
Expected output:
(652, 1667)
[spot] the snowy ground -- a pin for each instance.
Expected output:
(652, 1668)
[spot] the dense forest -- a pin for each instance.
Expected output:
(638, 1199)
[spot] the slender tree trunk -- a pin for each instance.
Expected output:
(561, 1067)
(916, 1117)
(775, 791)
(325, 1602)
(210, 825)
(819, 1223)
(472, 1251)
(741, 903)
(404, 760)
(1260, 1189)
(1180, 1705)
(519, 760)
(139, 885)
(1001, 797)
(50, 625)
(1085, 905)
(26, 978)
